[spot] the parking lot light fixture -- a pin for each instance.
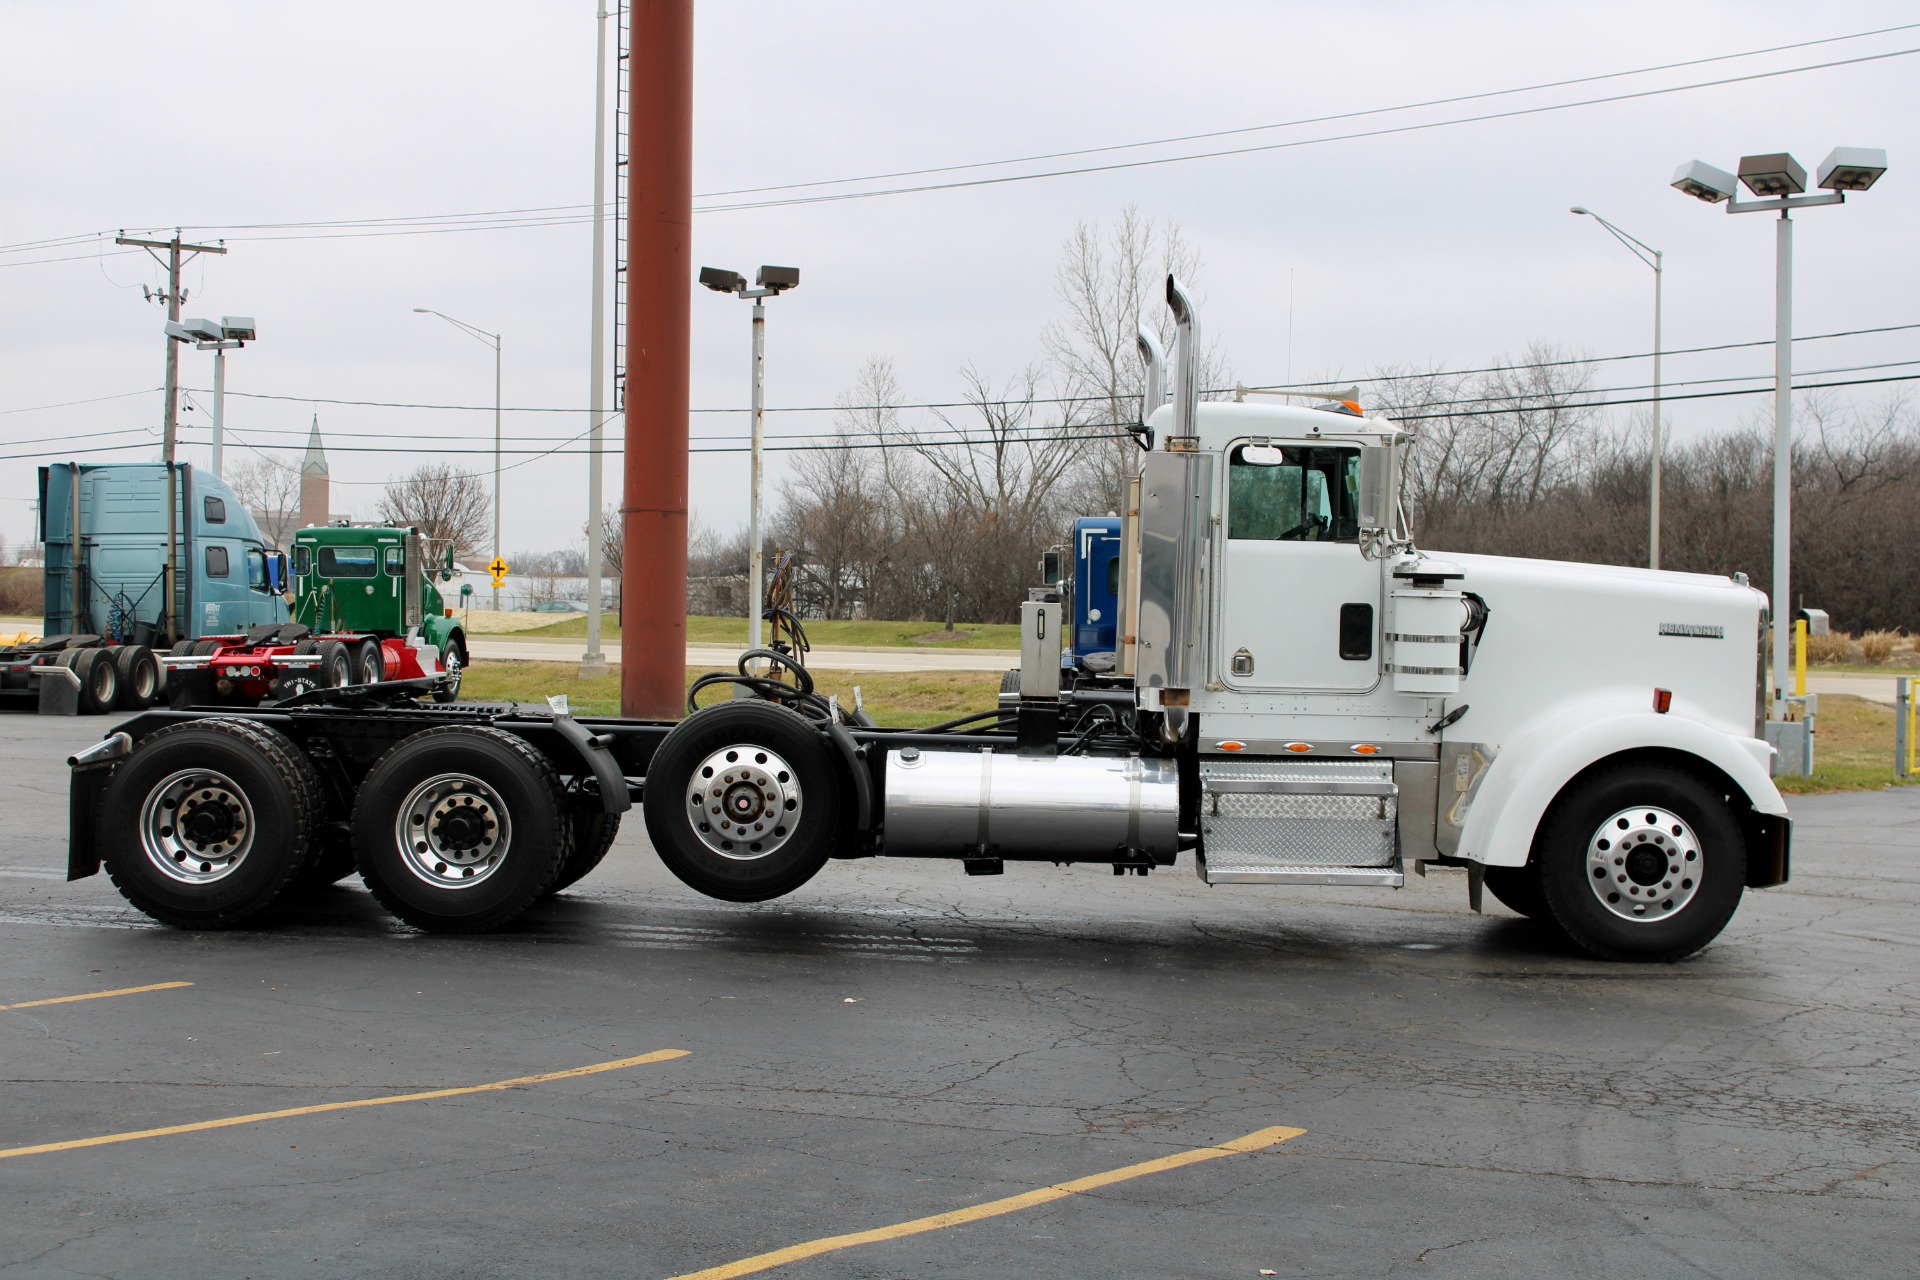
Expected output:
(1780, 182)
(1655, 259)
(493, 340)
(770, 282)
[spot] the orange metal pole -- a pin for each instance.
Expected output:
(653, 599)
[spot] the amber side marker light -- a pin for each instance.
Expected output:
(1299, 748)
(1230, 746)
(1365, 749)
(1662, 700)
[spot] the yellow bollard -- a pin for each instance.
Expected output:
(1799, 657)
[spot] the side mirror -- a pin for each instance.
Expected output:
(1050, 567)
(446, 562)
(277, 572)
(1379, 487)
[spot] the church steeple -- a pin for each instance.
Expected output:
(315, 463)
(315, 489)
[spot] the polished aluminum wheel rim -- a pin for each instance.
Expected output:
(196, 826)
(744, 802)
(1644, 864)
(452, 831)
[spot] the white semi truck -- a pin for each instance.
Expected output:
(1300, 696)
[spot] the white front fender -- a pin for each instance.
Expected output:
(1529, 772)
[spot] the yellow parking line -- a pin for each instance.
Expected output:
(228, 1122)
(1256, 1141)
(96, 995)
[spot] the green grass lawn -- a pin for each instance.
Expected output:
(903, 699)
(822, 634)
(1852, 748)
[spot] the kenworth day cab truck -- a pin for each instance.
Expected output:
(1301, 696)
(365, 609)
(104, 526)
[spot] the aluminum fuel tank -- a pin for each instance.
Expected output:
(954, 804)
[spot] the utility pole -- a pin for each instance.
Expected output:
(170, 428)
(653, 569)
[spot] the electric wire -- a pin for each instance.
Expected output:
(1064, 435)
(559, 215)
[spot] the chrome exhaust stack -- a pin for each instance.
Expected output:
(1186, 363)
(1155, 393)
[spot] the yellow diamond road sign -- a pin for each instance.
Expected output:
(499, 571)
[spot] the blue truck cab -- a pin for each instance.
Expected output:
(105, 530)
(1096, 586)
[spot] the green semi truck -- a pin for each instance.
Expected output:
(365, 609)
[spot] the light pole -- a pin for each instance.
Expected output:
(232, 333)
(1779, 181)
(769, 282)
(1655, 259)
(494, 339)
(593, 662)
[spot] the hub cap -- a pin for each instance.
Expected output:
(452, 831)
(1644, 864)
(196, 826)
(744, 802)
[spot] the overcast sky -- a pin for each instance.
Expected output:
(1449, 245)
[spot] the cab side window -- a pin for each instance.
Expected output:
(216, 509)
(1293, 494)
(217, 562)
(302, 561)
(396, 558)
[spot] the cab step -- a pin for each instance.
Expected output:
(1326, 822)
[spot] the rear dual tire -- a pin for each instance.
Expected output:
(460, 829)
(206, 823)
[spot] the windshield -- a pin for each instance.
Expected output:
(1310, 495)
(349, 562)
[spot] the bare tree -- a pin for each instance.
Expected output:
(1113, 280)
(448, 506)
(271, 491)
(613, 545)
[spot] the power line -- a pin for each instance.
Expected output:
(1308, 120)
(1300, 142)
(1574, 400)
(961, 404)
(559, 215)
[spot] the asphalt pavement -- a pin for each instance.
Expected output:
(1055, 1072)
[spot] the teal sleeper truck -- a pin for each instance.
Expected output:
(104, 527)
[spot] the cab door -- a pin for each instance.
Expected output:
(1299, 606)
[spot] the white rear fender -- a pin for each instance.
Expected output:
(1531, 771)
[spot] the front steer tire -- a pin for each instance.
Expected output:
(251, 803)
(768, 812)
(460, 829)
(1642, 862)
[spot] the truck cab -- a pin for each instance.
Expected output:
(105, 529)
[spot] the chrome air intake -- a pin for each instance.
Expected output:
(962, 804)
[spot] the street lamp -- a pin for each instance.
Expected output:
(1653, 258)
(232, 333)
(494, 339)
(769, 282)
(1779, 181)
